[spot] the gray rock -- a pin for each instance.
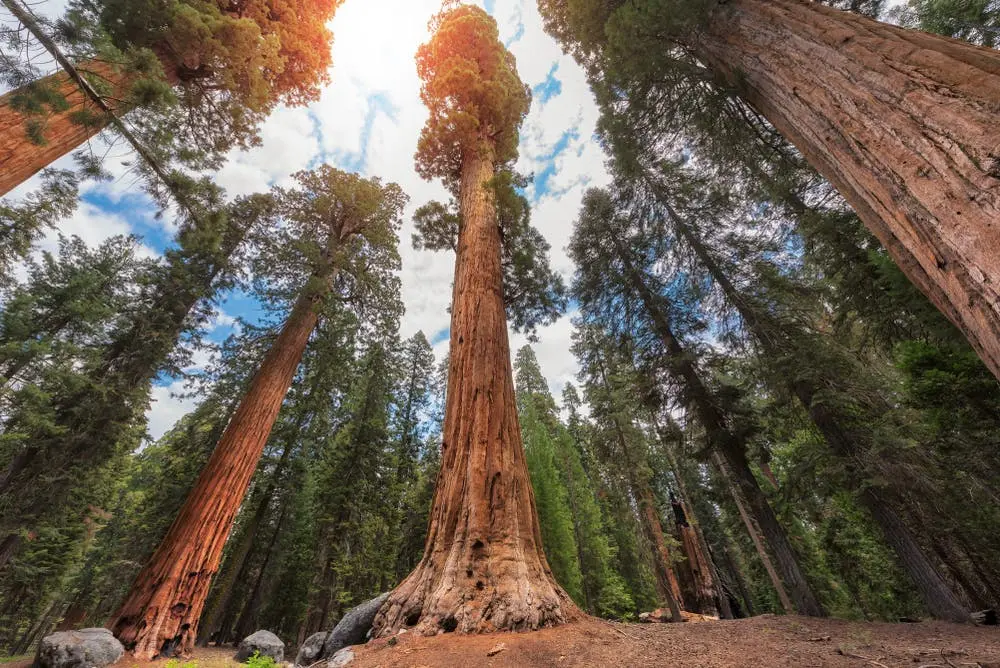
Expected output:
(312, 649)
(341, 658)
(85, 648)
(264, 642)
(353, 627)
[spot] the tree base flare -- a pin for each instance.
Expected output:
(428, 605)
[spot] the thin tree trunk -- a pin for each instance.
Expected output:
(938, 596)
(779, 587)
(649, 516)
(167, 597)
(483, 567)
(250, 610)
(902, 123)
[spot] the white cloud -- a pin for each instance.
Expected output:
(371, 115)
(166, 408)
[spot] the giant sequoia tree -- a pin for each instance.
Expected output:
(333, 221)
(229, 64)
(901, 122)
(483, 567)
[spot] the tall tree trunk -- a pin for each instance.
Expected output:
(666, 579)
(166, 600)
(483, 567)
(902, 123)
(779, 586)
(727, 445)
(210, 624)
(773, 340)
(251, 610)
(22, 157)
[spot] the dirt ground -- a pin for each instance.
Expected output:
(760, 642)
(763, 641)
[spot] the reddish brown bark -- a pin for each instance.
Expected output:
(167, 598)
(902, 123)
(483, 567)
(666, 579)
(696, 570)
(20, 156)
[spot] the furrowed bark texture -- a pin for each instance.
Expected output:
(162, 610)
(902, 123)
(696, 566)
(20, 157)
(483, 567)
(666, 579)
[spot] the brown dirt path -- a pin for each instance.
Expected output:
(763, 641)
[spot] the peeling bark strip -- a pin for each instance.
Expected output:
(483, 568)
(906, 125)
(167, 598)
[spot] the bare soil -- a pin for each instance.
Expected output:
(760, 641)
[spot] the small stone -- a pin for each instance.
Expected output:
(499, 647)
(341, 658)
(86, 648)
(263, 642)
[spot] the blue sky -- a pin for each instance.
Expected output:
(368, 120)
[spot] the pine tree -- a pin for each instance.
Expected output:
(539, 426)
(92, 411)
(330, 217)
(476, 103)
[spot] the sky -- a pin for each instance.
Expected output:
(368, 120)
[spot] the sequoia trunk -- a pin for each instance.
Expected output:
(902, 123)
(483, 567)
(166, 600)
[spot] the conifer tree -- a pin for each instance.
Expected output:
(816, 373)
(94, 414)
(900, 122)
(211, 71)
(648, 313)
(483, 567)
(332, 217)
(558, 465)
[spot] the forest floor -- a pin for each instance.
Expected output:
(762, 641)
(759, 642)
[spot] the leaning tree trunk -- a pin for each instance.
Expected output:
(483, 567)
(938, 596)
(902, 123)
(22, 156)
(729, 447)
(166, 600)
(758, 543)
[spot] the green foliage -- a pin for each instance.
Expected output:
(258, 661)
(471, 87)
(534, 294)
